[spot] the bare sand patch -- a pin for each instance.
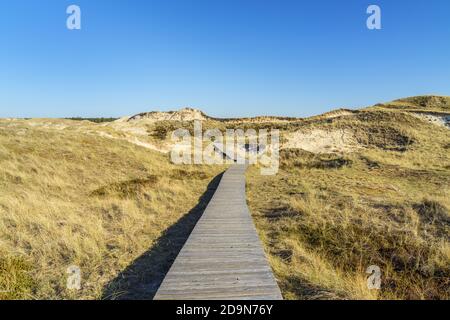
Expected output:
(322, 141)
(442, 120)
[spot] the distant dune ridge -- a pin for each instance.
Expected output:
(184, 114)
(423, 104)
(433, 109)
(191, 114)
(355, 188)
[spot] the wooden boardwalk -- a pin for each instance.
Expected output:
(223, 257)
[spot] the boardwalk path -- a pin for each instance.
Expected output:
(223, 257)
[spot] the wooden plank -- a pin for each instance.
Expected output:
(223, 257)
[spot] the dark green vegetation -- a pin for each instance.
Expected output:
(95, 120)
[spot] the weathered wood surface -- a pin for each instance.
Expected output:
(223, 257)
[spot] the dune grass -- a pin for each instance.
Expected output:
(421, 103)
(324, 219)
(70, 198)
(86, 194)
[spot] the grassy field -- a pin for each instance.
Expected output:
(70, 198)
(325, 218)
(355, 188)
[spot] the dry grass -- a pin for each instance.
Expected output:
(71, 198)
(325, 218)
(79, 193)
(421, 103)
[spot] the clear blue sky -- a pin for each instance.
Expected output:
(227, 57)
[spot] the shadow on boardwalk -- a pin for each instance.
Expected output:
(142, 278)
